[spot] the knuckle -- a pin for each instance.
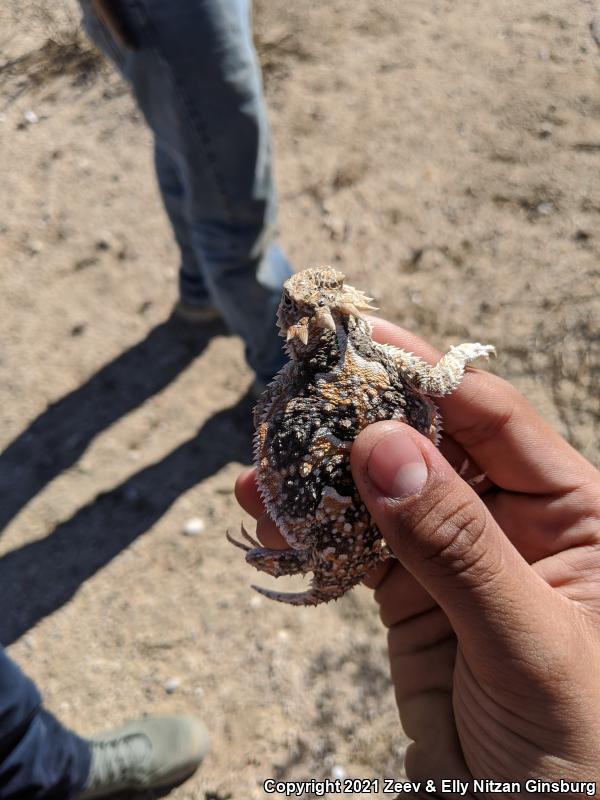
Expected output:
(457, 542)
(485, 428)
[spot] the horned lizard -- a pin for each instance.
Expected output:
(337, 382)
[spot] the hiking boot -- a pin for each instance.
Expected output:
(195, 315)
(150, 753)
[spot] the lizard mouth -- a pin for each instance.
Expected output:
(298, 331)
(321, 321)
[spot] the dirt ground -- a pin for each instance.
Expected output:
(446, 156)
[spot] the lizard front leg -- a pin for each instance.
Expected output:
(444, 377)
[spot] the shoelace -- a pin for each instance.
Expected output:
(118, 760)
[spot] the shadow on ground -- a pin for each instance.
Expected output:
(40, 577)
(61, 434)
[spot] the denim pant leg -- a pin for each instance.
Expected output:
(192, 287)
(39, 759)
(196, 79)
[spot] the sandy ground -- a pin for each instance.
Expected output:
(446, 156)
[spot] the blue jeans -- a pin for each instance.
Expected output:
(38, 757)
(196, 79)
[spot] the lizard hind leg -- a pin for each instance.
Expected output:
(307, 598)
(330, 584)
(273, 562)
(313, 596)
(279, 562)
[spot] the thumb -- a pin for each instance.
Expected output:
(442, 532)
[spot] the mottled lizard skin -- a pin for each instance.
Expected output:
(337, 382)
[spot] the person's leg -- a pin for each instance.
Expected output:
(39, 758)
(42, 760)
(197, 81)
(192, 288)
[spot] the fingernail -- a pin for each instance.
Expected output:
(396, 466)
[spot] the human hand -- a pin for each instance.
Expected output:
(493, 606)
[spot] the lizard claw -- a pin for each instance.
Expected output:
(241, 545)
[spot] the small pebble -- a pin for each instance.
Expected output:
(582, 236)
(283, 636)
(256, 601)
(31, 117)
(194, 526)
(171, 685)
(544, 208)
(338, 772)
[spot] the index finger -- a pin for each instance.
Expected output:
(497, 427)
(247, 493)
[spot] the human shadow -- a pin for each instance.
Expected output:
(61, 434)
(40, 577)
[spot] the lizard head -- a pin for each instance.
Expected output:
(315, 301)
